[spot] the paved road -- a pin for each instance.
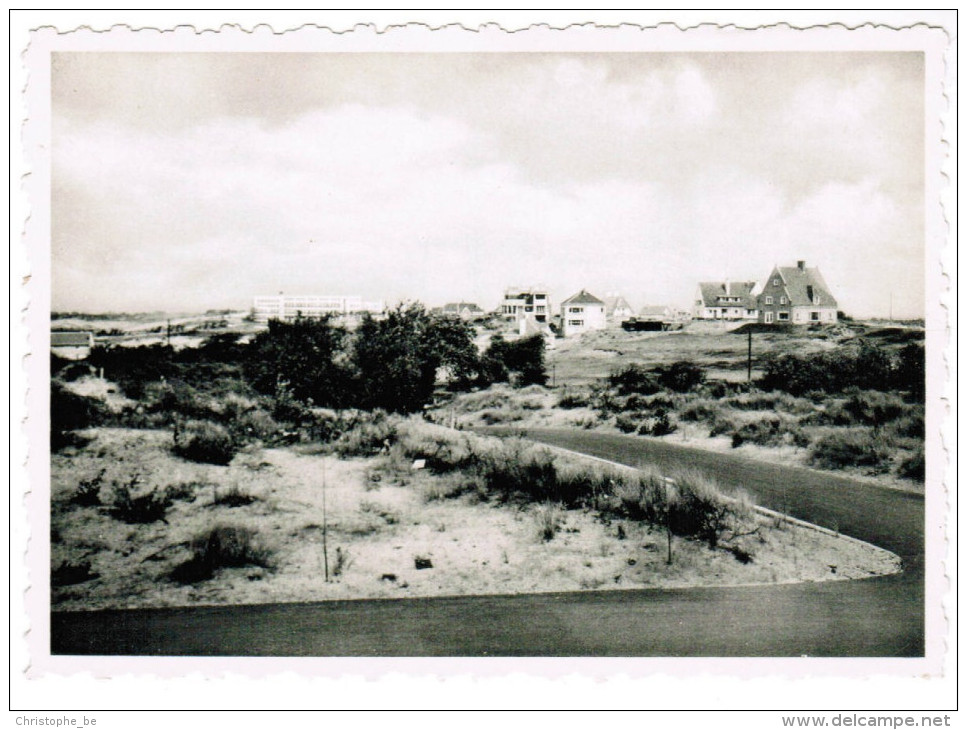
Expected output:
(879, 617)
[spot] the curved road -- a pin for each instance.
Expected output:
(877, 617)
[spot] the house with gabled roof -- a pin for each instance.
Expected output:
(616, 308)
(735, 300)
(796, 295)
(582, 312)
(72, 345)
(467, 311)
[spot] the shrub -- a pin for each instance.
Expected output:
(860, 365)
(852, 447)
(549, 520)
(913, 467)
(139, 509)
(71, 412)
(697, 508)
(682, 376)
(864, 408)
(368, 437)
(257, 424)
(492, 417)
(233, 497)
(628, 422)
(88, 492)
(71, 573)
(205, 442)
(701, 410)
(770, 431)
(574, 399)
(520, 362)
(223, 546)
(658, 425)
(634, 379)
(770, 401)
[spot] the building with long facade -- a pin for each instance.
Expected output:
(288, 307)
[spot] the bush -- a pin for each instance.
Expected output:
(770, 401)
(520, 362)
(658, 425)
(858, 365)
(701, 410)
(770, 431)
(864, 408)
(852, 447)
(71, 573)
(574, 399)
(368, 437)
(914, 466)
(257, 424)
(139, 509)
(682, 376)
(204, 442)
(697, 508)
(224, 546)
(88, 492)
(634, 379)
(549, 520)
(72, 412)
(628, 422)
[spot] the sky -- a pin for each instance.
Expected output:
(194, 181)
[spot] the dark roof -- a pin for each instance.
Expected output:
(713, 290)
(798, 282)
(582, 297)
(70, 339)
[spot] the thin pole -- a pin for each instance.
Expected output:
(325, 548)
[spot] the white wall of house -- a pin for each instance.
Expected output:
(577, 318)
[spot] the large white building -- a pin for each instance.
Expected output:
(287, 307)
(533, 302)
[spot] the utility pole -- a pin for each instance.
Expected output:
(325, 526)
(169, 333)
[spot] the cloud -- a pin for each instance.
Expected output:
(413, 178)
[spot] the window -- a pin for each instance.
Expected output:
(782, 300)
(768, 300)
(575, 323)
(576, 310)
(814, 316)
(768, 317)
(775, 282)
(817, 300)
(783, 316)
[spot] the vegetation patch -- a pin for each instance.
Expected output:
(205, 442)
(223, 546)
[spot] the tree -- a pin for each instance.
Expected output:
(397, 357)
(307, 358)
(520, 362)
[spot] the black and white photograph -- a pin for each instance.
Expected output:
(431, 348)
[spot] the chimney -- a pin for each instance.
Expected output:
(801, 265)
(728, 288)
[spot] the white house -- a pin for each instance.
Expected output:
(582, 312)
(533, 301)
(616, 308)
(734, 300)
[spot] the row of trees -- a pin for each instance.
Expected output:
(391, 363)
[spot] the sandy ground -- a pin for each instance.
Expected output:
(377, 532)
